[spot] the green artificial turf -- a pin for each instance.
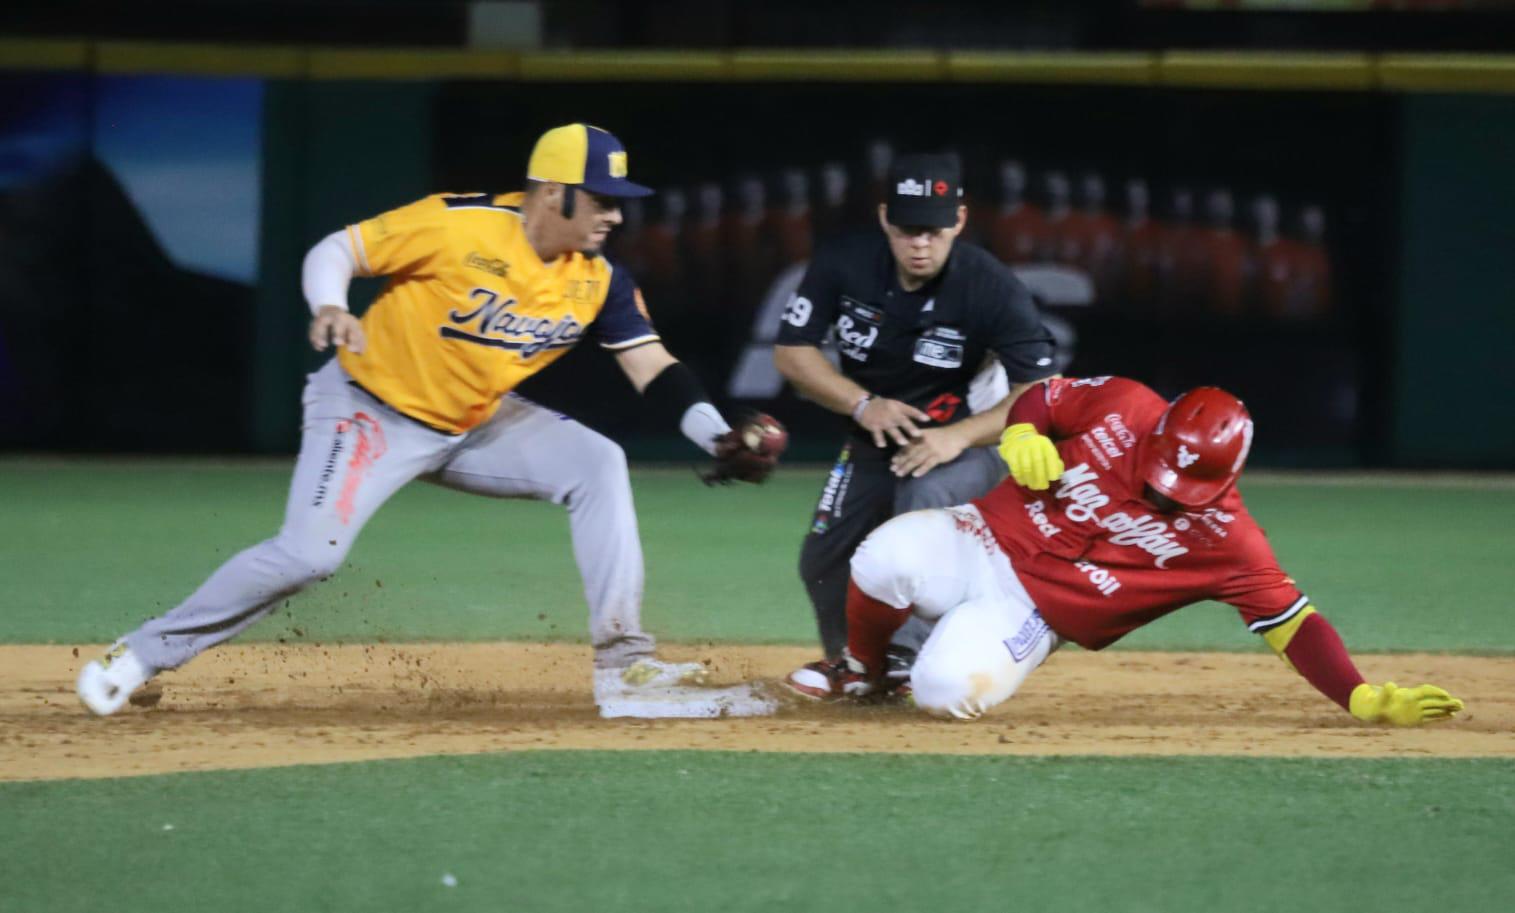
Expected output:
(89, 548)
(697, 832)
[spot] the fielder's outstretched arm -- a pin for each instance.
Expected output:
(748, 454)
(674, 390)
(1311, 646)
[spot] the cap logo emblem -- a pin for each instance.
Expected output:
(910, 187)
(617, 164)
(1186, 457)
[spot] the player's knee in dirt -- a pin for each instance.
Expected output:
(963, 693)
(962, 669)
(939, 689)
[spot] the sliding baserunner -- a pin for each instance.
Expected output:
(1119, 509)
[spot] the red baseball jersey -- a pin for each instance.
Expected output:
(1097, 560)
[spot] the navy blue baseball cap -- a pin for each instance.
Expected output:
(583, 156)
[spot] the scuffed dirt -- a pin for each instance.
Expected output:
(272, 705)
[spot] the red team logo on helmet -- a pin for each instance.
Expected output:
(1198, 447)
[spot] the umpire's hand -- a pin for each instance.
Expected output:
(891, 420)
(336, 326)
(934, 447)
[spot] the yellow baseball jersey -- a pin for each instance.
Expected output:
(470, 310)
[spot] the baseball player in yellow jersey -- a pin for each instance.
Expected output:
(484, 291)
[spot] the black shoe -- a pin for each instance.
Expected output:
(898, 661)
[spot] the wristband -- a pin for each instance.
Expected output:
(857, 411)
(673, 397)
(703, 425)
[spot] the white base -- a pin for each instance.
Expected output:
(688, 703)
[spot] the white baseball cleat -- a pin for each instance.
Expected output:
(654, 673)
(107, 683)
(644, 675)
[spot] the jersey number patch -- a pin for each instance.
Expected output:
(797, 311)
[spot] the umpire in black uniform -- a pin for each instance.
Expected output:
(916, 317)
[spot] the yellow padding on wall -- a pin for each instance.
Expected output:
(839, 66)
(624, 66)
(43, 54)
(1270, 71)
(1447, 73)
(1274, 70)
(1107, 69)
(148, 58)
(410, 63)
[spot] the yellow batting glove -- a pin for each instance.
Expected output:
(1402, 706)
(1031, 456)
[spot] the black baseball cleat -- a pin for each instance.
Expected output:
(898, 661)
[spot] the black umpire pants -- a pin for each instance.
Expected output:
(859, 495)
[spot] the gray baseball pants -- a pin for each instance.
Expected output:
(355, 452)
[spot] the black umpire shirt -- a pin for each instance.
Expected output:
(921, 347)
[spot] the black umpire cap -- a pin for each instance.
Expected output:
(924, 190)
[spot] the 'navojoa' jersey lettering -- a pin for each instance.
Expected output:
(471, 311)
(1097, 560)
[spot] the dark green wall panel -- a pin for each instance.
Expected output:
(336, 152)
(1454, 388)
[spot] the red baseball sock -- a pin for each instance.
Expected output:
(1319, 655)
(870, 624)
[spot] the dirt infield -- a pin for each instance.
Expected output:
(265, 705)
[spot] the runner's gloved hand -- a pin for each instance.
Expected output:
(1402, 706)
(1032, 457)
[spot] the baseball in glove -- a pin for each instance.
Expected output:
(748, 452)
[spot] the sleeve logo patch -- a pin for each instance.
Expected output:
(857, 328)
(491, 265)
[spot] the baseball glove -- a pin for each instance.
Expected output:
(748, 452)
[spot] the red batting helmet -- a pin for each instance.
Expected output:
(1198, 447)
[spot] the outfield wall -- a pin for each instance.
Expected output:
(193, 313)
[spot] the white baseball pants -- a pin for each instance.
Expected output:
(947, 565)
